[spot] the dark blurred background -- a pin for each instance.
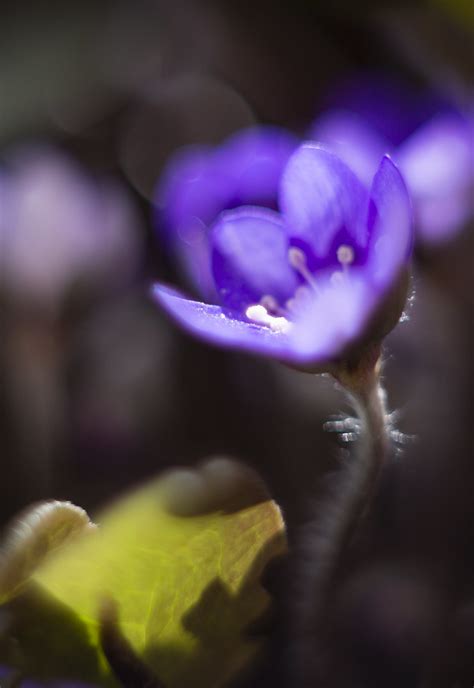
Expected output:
(102, 391)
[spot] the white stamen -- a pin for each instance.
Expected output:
(300, 300)
(298, 261)
(270, 303)
(337, 278)
(291, 306)
(297, 258)
(260, 315)
(303, 293)
(345, 254)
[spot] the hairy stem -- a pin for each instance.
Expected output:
(329, 535)
(372, 451)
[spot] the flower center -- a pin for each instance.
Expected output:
(269, 312)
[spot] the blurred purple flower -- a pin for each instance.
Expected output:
(304, 285)
(431, 142)
(59, 226)
(201, 181)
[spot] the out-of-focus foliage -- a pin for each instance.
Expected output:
(462, 9)
(187, 584)
(34, 536)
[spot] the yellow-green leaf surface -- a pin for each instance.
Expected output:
(187, 586)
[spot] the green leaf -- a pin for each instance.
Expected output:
(187, 585)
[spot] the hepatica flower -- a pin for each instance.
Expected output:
(60, 226)
(310, 283)
(201, 181)
(431, 142)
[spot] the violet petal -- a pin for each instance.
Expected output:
(321, 333)
(335, 318)
(250, 257)
(353, 140)
(201, 181)
(437, 162)
(213, 324)
(390, 225)
(320, 197)
(254, 159)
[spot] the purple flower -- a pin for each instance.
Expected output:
(309, 284)
(431, 142)
(59, 226)
(201, 181)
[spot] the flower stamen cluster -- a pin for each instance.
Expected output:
(269, 313)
